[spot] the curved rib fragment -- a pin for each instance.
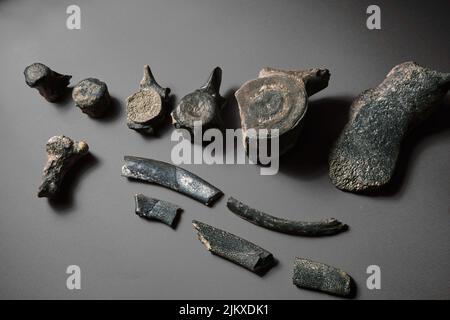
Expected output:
(324, 227)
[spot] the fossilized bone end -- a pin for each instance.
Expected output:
(318, 276)
(92, 97)
(62, 153)
(365, 154)
(50, 84)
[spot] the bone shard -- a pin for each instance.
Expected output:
(318, 276)
(172, 177)
(50, 84)
(365, 154)
(62, 153)
(309, 229)
(277, 100)
(155, 209)
(234, 248)
(146, 108)
(92, 97)
(202, 106)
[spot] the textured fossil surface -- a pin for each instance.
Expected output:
(50, 84)
(155, 209)
(203, 105)
(172, 177)
(318, 276)
(365, 154)
(92, 97)
(146, 108)
(301, 228)
(277, 100)
(234, 248)
(62, 153)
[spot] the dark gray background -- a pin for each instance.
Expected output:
(405, 230)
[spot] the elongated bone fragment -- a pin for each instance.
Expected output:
(318, 276)
(277, 100)
(365, 154)
(92, 97)
(202, 106)
(146, 108)
(172, 177)
(234, 248)
(50, 84)
(62, 153)
(325, 227)
(155, 209)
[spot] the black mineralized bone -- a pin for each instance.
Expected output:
(234, 248)
(365, 154)
(310, 229)
(62, 153)
(278, 100)
(318, 276)
(155, 209)
(146, 108)
(50, 84)
(92, 97)
(172, 177)
(202, 105)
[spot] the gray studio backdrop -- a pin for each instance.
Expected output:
(405, 230)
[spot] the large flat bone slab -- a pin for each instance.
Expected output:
(300, 228)
(202, 106)
(155, 209)
(62, 153)
(146, 108)
(365, 154)
(278, 100)
(172, 177)
(234, 248)
(318, 276)
(50, 84)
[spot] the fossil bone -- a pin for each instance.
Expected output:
(92, 97)
(155, 209)
(50, 84)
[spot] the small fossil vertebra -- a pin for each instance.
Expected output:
(278, 100)
(301, 228)
(203, 105)
(172, 177)
(50, 84)
(146, 108)
(365, 154)
(155, 209)
(92, 97)
(318, 276)
(234, 248)
(62, 153)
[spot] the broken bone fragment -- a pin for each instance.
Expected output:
(234, 248)
(276, 102)
(365, 154)
(92, 97)
(172, 177)
(146, 108)
(201, 107)
(155, 209)
(325, 227)
(62, 153)
(318, 276)
(50, 84)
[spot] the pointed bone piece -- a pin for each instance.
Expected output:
(365, 154)
(300, 228)
(62, 153)
(50, 84)
(318, 276)
(202, 105)
(234, 248)
(277, 100)
(155, 209)
(146, 108)
(172, 177)
(92, 97)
